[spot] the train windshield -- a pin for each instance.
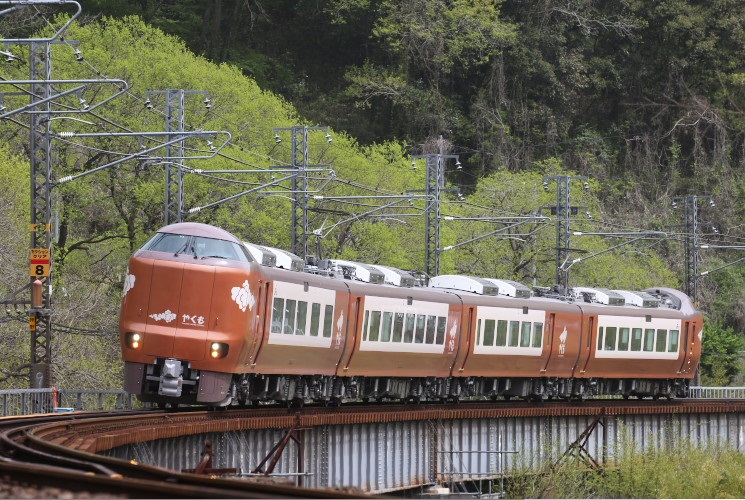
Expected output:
(197, 246)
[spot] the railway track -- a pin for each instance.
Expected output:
(51, 450)
(60, 449)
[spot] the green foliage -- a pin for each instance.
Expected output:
(519, 90)
(722, 347)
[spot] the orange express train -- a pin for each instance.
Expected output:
(206, 321)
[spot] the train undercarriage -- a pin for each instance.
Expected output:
(174, 383)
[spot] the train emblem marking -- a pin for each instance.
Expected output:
(196, 320)
(563, 341)
(243, 297)
(166, 316)
(129, 282)
(339, 324)
(453, 331)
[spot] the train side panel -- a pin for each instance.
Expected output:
(402, 333)
(305, 325)
(515, 338)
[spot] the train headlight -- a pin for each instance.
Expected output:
(133, 340)
(218, 350)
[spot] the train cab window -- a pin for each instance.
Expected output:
(537, 334)
(277, 311)
(289, 323)
(441, 326)
(623, 339)
(302, 317)
(374, 326)
(610, 339)
(525, 334)
(419, 334)
(673, 341)
(315, 317)
(514, 333)
(409, 328)
(210, 248)
(365, 325)
(398, 327)
(328, 321)
(385, 332)
(649, 339)
(167, 242)
(636, 339)
(661, 340)
(431, 323)
(502, 332)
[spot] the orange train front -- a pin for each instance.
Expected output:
(203, 322)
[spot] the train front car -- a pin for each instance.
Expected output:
(185, 317)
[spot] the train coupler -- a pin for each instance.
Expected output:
(171, 378)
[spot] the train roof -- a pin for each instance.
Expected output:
(199, 229)
(377, 275)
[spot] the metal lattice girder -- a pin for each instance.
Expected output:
(563, 204)
(435, 182)
(174, 173)
(41, 205)
(300, 191)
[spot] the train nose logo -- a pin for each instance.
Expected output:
(243, 297)
(563, 341)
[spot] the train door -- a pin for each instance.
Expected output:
(355, 311)
(259, 323)
(588, 325)
(549, 339)
(465, 341)
(688, 347)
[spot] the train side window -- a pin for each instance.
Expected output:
(441, 326)
(419, 334)
(489, 332)
(623, 339)
(374, 326)
(636, 339)
(302, 317)
(409, 328)
(610, 338)
(514, 333)
(600, 338)
(315, 316)
(398, 326)
(661, 340)
(673, 341)
(525, 334)
(289, 324)
(277, 311)
(501, 332)
(537, 334)
(385, 333)
(328, 321)
(649, 339)
(431, 323)
(365, 325)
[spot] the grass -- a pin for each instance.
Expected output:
(681, 470)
